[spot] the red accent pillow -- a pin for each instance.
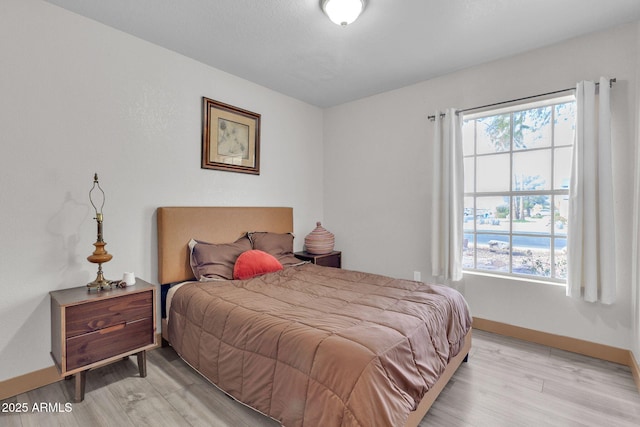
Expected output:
(255, 263)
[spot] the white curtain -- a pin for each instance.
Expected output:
(448, 197)
(591, 240)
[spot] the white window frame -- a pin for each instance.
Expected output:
(511, 193)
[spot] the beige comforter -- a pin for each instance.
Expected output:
(318, 346)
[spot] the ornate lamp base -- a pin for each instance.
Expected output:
(99, 256)
(100, 283)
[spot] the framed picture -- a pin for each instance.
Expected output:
(230, 138)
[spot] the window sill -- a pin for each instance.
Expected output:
(513, 278)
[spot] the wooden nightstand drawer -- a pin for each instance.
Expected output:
(85, 318)
(89, 348)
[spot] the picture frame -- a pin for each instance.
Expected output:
(230, 138)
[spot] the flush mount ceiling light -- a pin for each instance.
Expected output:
(343, 12)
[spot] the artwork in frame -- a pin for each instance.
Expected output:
(230, 138)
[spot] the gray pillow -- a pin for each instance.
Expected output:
(211, 261)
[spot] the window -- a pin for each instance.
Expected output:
(517, 165)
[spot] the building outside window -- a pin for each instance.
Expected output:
(517, 165)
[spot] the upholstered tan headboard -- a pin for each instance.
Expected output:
(177, 225)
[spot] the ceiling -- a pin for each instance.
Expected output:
(290, 46)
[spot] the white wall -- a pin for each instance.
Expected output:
(377, 182)
(77, 97)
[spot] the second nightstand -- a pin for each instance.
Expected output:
(332, 259)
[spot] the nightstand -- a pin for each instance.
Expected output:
(90, 329)
(332, 259)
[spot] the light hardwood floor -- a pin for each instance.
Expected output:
(506, 382)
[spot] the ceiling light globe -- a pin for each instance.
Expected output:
(343, 12)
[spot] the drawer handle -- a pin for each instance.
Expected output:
(113, 328)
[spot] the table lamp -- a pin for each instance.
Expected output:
(99, 255)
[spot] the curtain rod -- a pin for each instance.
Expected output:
(432, 118)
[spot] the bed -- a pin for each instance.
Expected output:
(304, 344)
